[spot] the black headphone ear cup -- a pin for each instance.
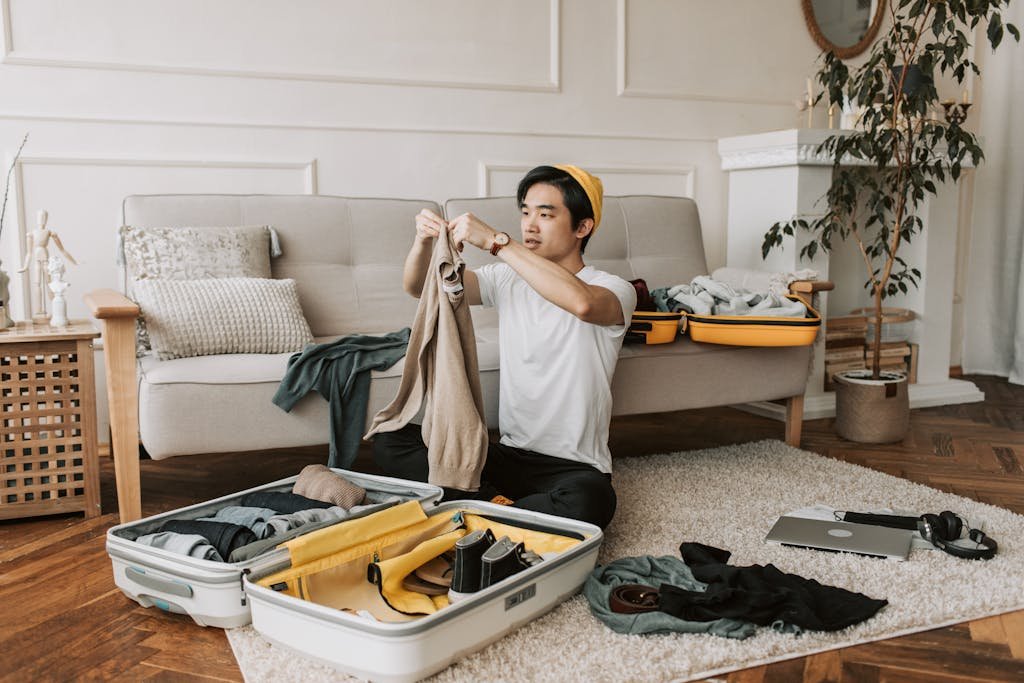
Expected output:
(952, 525)
(931, 527)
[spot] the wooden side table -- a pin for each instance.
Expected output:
(48, 420)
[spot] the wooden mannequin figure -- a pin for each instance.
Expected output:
(37, 251)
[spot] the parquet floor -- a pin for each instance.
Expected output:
(63, 619)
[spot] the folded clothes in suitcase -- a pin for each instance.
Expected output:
(341, 596)
(211, 591)
(753, 330)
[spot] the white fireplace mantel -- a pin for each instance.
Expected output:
(778, 176)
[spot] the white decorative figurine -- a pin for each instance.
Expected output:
(55, 267)
(37, 251)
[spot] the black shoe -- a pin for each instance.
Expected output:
(502, 560)
(469, 551)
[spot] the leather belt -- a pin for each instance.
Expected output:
(633, 598)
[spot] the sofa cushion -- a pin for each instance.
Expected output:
(345, 254)
(222, 315)
(190, 253)
(208, 392)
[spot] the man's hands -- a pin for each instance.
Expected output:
(429, 225)
(469, 228)
(464, 228)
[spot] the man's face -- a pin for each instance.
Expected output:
(546, 223)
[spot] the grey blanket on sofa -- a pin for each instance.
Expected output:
(340, 372)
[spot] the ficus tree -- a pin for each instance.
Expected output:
(885, 168)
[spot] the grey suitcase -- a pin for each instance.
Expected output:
(212, 592)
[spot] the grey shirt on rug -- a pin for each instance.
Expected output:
(653, 571)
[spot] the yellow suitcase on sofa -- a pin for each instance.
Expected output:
(750, 330)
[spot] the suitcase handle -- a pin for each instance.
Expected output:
(156, 583)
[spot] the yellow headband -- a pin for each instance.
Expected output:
(591, 184)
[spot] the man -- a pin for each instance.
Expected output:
(561, 327)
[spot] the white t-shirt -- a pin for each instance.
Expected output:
(556, 370)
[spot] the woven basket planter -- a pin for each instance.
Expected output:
(872, 411)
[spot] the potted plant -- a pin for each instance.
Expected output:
(885, 168)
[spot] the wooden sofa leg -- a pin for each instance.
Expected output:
(118, 317)
(794, 419)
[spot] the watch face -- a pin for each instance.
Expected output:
(501, 238)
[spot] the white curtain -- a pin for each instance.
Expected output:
(994, 296)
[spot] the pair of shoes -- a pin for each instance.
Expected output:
(481, 561)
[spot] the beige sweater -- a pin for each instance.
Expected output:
(441, 373)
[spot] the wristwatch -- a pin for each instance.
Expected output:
(501, 239)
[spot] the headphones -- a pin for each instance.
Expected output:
(943, 531)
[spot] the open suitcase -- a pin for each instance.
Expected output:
(753, 330)
(212, 592)
(339, 599)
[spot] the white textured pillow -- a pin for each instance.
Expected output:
(222, 315)
(192, 253)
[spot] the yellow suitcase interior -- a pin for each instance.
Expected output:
(361, 564)
(750, 330)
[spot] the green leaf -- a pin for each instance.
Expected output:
(1014, 31)
(995, 30)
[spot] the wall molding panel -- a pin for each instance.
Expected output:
(308, 169)
(684, 175)
(550, 83)
(354, 128)
(624, 89)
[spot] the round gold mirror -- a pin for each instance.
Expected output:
(846, 27)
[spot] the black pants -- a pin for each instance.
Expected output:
(534, 481)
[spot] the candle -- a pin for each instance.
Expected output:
(965, 96)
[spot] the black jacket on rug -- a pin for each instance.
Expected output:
(763, 595)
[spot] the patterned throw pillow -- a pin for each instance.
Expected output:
(192, 253)
(222, 315)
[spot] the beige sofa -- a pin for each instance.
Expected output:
(346, 256)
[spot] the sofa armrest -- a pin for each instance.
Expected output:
(118, 313)
(105, 304)
(805, 289)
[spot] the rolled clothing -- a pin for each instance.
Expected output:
(254, 519)
(652, 571)
(279, 524)
(318, 482)
(192, 545)
(221, 535)
(282, 502)
(262, 545)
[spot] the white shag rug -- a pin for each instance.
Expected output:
(729, 498)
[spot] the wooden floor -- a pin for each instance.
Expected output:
(63, 619)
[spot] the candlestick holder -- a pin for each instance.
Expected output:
(955, 113)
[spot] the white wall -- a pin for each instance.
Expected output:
(386, 98)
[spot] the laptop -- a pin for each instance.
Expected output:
(843, 537)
